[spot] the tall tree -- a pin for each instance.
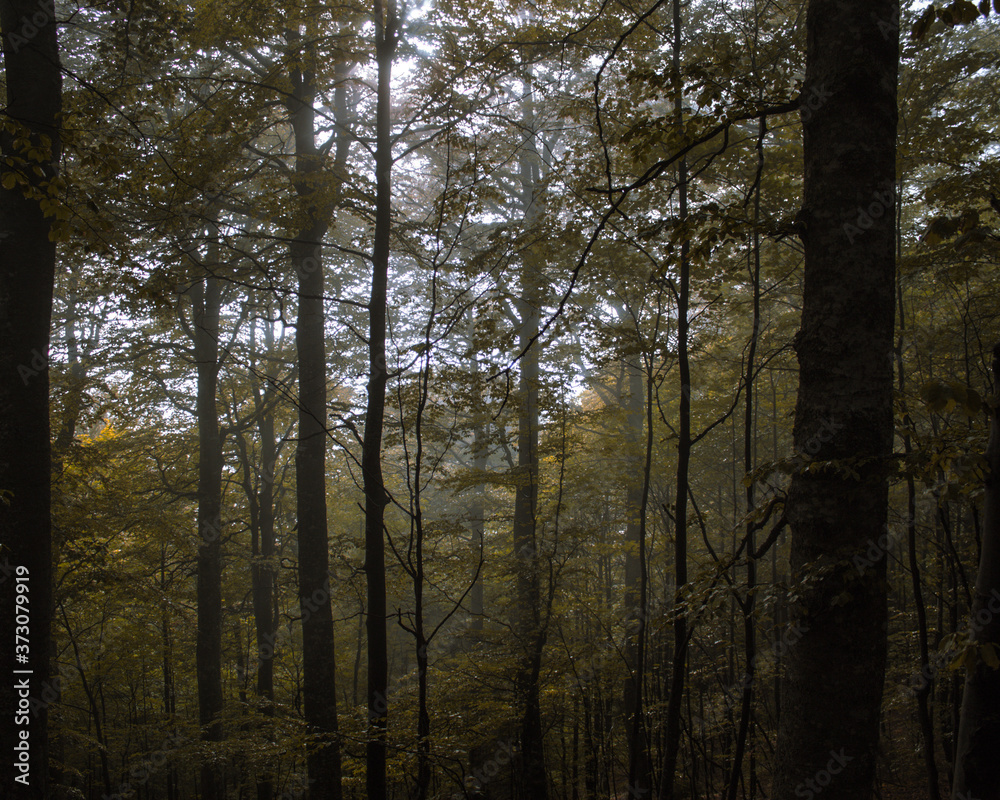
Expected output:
(683, 297)
(977, 770)
(207, 302)
(528, 613)
(306, 251)
(30, 145)
(831, 702)
(376, 497)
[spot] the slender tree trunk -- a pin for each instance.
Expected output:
(166, 642)
(673, 721)
(416, 565)
(925, 690)
(832, 698)
(376, 497)
(748, 605)
(262, 573)
(477, 507)
(637, 496)
(260, 500)
(533, 780)
(27, 270)
(977, 769)
(207, 301)
(318, 656)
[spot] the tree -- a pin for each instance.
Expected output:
(207, 304)
(306, 251)
(977, 772)
(30, 144)
(837, 503)
(376, 497)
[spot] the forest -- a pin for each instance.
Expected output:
(533, 400)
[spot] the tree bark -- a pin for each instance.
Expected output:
(924, 692)
(638, 418)
(318, 657)
(27, 270)
(207, 301)
(748, 604)
(678, 666)
(376, 498)
(977, 769)
(532, 780)
(837, 511)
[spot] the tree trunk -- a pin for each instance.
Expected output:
(637, 497)
(532, 780)
(318, 657)
(977, 769)
(207, 301)
(832, 698)
(477, 505)
(376, 497)
(677, 674)
(27, 269)
(925, 690)
(748, 605)
(260, 502)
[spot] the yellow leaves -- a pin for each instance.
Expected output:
(988, 652)
(943, 396)
(971, 653)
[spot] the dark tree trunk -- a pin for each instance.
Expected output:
(748, 604)
(207, 300)
(263, 573)
(977, 768)
(640, 783)
(679, 664)
(477, 505)
(376, 497)
(832, 698)
(27, 270)
(318, 657)
(924, 691)
(259, 490)
(532, 780)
